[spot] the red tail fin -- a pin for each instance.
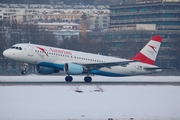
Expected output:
(149, 53)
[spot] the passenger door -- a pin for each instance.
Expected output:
(30, 50)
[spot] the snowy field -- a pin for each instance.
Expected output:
(83, 102)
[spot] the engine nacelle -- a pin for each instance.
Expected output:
(73, 69)
(46, 70)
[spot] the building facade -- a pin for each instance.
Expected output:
(48, 13)
(165, 15)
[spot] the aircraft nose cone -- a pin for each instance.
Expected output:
(6, 53)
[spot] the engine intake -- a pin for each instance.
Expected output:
(73, 69)
(46, 70)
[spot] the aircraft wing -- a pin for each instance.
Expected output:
(92, 66)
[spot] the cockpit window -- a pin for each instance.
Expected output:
(18, 48)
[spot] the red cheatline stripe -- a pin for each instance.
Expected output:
(157, 38)
(143, 58)
(43, 50)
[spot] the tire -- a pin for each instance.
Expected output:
(87, 79)
(68, 78)
(23, 72)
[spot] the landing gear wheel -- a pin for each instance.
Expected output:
(87, 79)
(23, 72)
(68, 78)
(25, 65)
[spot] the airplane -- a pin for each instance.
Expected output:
(51, 60)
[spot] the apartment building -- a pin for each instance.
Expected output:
(98, 16)
(165, 15)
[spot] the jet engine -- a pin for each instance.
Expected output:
(73, 69)
(46, 70)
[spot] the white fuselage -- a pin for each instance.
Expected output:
(56, 58)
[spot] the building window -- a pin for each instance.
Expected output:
(104, 21)
(104, 17)
(96, 25)
(114, 11)
(104, 25)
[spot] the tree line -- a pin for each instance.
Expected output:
(19, 33)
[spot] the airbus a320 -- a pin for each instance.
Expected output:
(51, 60)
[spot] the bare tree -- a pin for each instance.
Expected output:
(71, 43)
(174, 51)
(89, 24)
(127, 45)
(34, 34)
(136, 42)
(2, 48)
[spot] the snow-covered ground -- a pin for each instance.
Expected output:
(34, 77)
(90, 102)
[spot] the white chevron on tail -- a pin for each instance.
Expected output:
(149, 53)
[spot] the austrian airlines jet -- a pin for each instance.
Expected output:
(51, 60)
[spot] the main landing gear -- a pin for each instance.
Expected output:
(24, 71)
(87, 79)
(68, 78)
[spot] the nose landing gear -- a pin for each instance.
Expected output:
(24, 69)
